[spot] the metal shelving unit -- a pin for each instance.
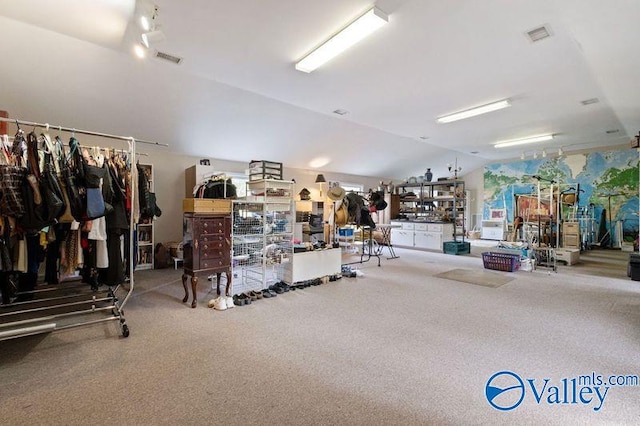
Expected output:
(440, 201)
(262, 234)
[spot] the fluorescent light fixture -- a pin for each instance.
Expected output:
(366, 24)
(144, 23)
(319, 162)
(530, 139)
(494, 106)
(152, 37)
(140, 51)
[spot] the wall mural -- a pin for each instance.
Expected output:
(606, 180)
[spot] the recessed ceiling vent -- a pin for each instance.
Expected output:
(538, 34)
(167, 57)
(612, 131)
(341, 112)
(590, 101)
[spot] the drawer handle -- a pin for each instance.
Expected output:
(196, 245)
(206, 246)
(206, 224)
(206, 264)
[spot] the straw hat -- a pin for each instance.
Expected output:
(336, 193)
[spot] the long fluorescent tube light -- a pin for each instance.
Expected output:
(372, 20)
(530, 139)
(494, 106)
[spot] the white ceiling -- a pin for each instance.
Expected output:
(237, 95)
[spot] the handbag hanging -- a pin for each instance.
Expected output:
(12, 176)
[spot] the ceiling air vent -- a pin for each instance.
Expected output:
(538, 34)
(167, 57)
(612, 131)
(341, 112)
(590, 101)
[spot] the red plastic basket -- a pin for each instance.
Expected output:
(501, 261)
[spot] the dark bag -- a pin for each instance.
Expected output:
(73, 183)
(6, 263)
(95, 203)
(96, 206)
(11, 181)
(35, 216)
(52, 192)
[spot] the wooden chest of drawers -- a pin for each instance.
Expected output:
(206, 239)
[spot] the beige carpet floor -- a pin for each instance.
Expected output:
(477, 277)
(398, 345)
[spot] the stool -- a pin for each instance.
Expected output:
(176, 261)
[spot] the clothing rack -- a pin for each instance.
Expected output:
(42, 319)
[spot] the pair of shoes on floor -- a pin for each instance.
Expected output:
(280, 287)
(241, 299)
(221, 303)
(255, 295)
(268, 293)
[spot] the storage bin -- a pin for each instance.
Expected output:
(456, 247)
(265, 170)
(501, 261)
(206, 205)
(345, 232)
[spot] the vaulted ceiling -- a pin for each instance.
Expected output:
(236, 95)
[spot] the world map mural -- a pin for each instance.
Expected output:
(599, 180)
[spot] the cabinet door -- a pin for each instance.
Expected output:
(428, 240)
(400, 237)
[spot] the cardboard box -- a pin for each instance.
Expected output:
(571, 256)
(206, 205)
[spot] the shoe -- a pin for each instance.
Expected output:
(284, 286)
(276, 288)
(211, 303)
(271, 292)
(257, 293)
(220, 304)
(266, 293)
(230, 302)
(238, 301)
(252, 295)
(245, 298)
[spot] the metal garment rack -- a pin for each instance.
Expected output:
(42, 319)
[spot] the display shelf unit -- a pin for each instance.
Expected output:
(145, 231)
(262, 234)
(435, 202)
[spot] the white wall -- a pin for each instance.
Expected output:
(169, 184)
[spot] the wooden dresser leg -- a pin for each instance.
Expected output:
(218, 276)
(194, 286)
(186, 289)
(229, 278)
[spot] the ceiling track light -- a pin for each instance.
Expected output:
(483, 109)
(560, 152)
(366, 24)
(544, 153)
(522, 141)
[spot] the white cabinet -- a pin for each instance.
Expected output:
(428, 240)
(313, 264)
(430, 236)
(402, 237)
(493, 230)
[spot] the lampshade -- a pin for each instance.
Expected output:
(320, 178)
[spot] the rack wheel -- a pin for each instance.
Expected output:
(125, 330)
